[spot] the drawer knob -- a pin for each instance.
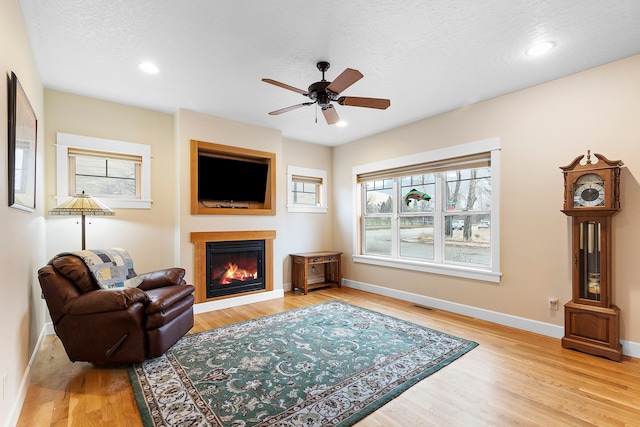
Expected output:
(315, 260)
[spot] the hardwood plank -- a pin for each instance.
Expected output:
(513, 378)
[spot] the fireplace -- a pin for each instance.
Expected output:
(241, 282)
(235, 267)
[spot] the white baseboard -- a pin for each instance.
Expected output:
(16, 408)
(629, 348)
(204, 307)
(48, 328)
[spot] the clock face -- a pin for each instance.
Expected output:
(588, 191)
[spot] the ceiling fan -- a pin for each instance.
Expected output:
(324, 92)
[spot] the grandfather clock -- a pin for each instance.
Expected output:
(591, 198)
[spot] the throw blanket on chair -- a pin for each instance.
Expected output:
(112, 268)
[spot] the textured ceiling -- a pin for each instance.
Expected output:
(427, 56)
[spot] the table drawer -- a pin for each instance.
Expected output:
(323, 259)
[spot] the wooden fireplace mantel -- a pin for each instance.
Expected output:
(200, 239)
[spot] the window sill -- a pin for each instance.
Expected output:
(307, 209)
(447, 270)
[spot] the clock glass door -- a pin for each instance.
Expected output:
(589, 191)
(589, 260)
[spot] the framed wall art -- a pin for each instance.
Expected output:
(22, 148)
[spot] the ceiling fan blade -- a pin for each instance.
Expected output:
(295, 89)
(330, 115)
(293, 107)
(344, 80)
(354, 101)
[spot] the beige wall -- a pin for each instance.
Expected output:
(295, 232)
(150, 235)
(21, 233)
(541, 129)
(147, 234)
(306, 232)
(156, 237)
(191, 125)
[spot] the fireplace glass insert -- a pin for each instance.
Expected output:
(235, 267)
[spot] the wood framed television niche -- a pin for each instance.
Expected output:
(238, 181)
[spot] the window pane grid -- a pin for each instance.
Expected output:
(417, 193)
(455, 229)
(378, 197)
(306, 192)
(469, 189)
(105, 177)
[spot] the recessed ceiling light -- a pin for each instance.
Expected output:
(148, 67)
(341, 123)
(540, 48)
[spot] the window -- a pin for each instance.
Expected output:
(435, 212)
(307, 190)
(104, 174)
(116, 172)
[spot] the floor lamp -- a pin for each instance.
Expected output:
(82, 204)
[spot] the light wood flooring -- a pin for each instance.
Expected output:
(513, 378)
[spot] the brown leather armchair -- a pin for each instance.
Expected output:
(127, 325)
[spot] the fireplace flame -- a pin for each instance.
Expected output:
(236, 273)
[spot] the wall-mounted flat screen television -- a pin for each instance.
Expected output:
(231, 180)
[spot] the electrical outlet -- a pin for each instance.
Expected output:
(553, 304)
(4, 384)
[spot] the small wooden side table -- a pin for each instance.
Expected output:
(332, 262)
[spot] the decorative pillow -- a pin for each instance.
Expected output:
(112, 268)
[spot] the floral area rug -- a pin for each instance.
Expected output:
(329, 364)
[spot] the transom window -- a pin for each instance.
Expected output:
(437, 216)
(116, 172)
(104, 174)
(307, 190)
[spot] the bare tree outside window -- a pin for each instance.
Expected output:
(104, 177)
(405, 207)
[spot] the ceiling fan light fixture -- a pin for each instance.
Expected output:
(148, 67)
(540, 48)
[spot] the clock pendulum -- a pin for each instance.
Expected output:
(591, 198)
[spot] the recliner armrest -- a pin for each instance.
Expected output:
(106, 300)
(161, 299)
(162, 278)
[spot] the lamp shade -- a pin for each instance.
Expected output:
(82, 204)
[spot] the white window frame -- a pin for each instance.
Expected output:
(490, 274)
(64, 141)
(322, 188)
